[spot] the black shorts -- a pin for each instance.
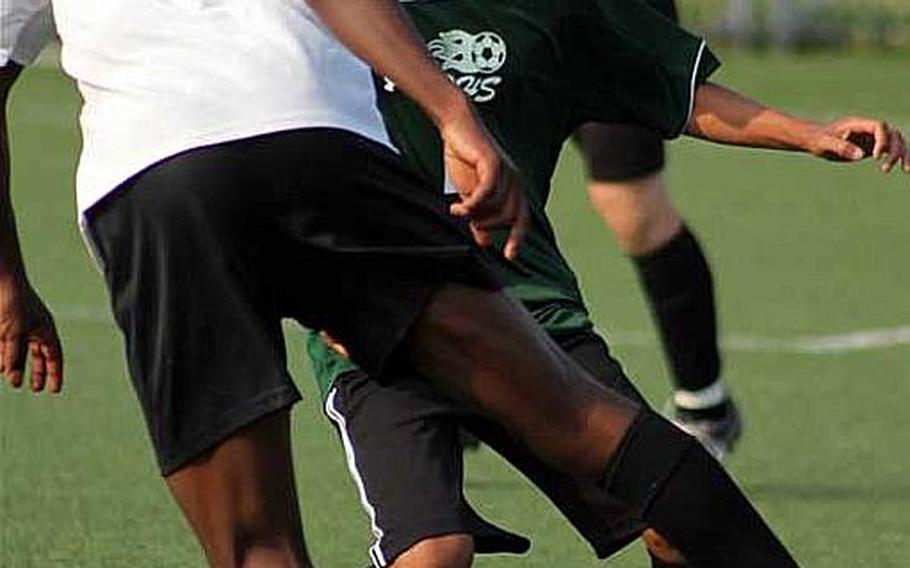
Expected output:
(623, 152)
(205, 253)
(402, 444)
(619, 152)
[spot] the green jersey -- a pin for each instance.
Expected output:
(536, 70)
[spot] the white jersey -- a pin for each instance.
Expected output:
(159, 77)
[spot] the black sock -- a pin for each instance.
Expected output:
(684, 494)
(680, 291)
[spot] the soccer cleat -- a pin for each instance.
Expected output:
(718, 435)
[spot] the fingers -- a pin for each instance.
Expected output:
(881, 140)
(894, 152)
(840, 149)
(334, 344)
(53, 358)
(517, 233)
(886, 143)
(39, 368)
(511, 214)
(14, 351)
(43, 348)
(483, 194)
(482, 236)
(47, 360)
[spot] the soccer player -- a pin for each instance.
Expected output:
(535, 72)
(235, 171)
(626, 188)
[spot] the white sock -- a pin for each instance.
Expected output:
(701, 399)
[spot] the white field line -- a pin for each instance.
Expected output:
(824, 344)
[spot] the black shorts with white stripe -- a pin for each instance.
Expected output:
(401, 439)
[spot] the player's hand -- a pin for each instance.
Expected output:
(490, 194)
(334, 344)
(27, 330)
(854, 138)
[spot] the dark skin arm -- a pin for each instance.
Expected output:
(26, 326)
(724, 116)
(379, 32)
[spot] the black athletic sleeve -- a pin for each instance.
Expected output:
(627, 62)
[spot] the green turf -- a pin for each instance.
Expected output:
(799, 247)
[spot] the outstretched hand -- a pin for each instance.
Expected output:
(491, 197)
(27, 330)
(854, 138)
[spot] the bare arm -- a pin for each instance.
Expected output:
(379, 32)
(10, 255)
(26, 325)
(724, 116)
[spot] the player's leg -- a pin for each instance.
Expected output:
(482, 348)
(401, 446)
(383, 277)
(602, 520)
(627, 190)
(241, 499)
(205, 351)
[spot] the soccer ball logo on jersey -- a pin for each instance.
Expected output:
(471, 60)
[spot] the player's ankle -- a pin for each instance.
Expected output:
(710, 402)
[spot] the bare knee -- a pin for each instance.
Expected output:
(638, 212)
(449, 551)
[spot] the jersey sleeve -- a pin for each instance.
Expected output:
(26, 27)
(628, 62)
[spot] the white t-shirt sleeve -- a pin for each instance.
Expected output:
(26, 26)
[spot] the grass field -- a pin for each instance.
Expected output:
(800, 248)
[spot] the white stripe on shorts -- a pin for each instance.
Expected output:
(376, 555)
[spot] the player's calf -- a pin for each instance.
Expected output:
(241, 500)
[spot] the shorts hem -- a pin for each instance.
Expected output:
(629, 175)
(242, 416)
(476, 273)
(489, 540)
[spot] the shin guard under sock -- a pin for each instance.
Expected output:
(684, 494)
(680, 292)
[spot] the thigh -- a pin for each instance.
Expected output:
(401, 445)
(483, 349)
